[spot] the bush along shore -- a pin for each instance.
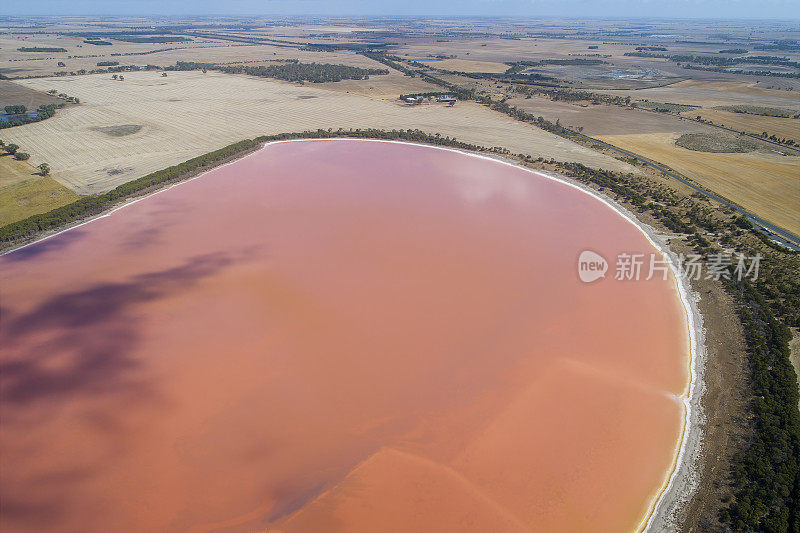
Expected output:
(765, 479)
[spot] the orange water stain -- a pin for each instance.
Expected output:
(338, 336)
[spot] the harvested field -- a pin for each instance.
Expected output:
(85, 56)
(384, 87)
(469, 65)
(721, 143)
(767, 184)
(605, 119)
(185, 117)
(788, 128)
(714, 93)
(24, 193)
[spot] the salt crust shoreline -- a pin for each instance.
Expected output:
(681, 481)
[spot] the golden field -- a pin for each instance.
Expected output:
(768, 184)
(24, 193)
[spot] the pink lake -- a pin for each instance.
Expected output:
(339, 336)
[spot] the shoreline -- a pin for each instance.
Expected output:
(680, 480)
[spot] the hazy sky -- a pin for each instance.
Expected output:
(781, 9)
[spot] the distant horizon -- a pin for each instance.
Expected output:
(400, 16)
(767, 10)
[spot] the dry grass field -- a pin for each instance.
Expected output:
(13, 171)
(383, 87)
(24, 193)
(189, 113)
(469, 65)
(788, 128)
(605, 119)
(767, 184)
(711, 93)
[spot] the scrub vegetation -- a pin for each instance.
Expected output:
(716, 143)
(43, 112)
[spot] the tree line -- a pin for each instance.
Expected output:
(40, 49)
(289, 70)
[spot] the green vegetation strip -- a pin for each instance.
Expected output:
(665, 107)
(716, 143)
(40, 49)
(760, 110)
(291, 70)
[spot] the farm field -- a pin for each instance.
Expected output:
(24, 193)
(767, 184)
(15, 94)
(86, 56)
(469, 65)
(383, 87)
(605, 119)
(13, 171)
(710, 93)
(788, 128)
(183, 116)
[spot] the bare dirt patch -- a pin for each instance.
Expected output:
(121, 130)
(794, 357)
(15, 94)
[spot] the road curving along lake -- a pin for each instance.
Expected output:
(342, 335)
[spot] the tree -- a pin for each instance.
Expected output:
(11, 148)
(44, 169)
(21, 156)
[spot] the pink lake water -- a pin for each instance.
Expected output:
(338, 336)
